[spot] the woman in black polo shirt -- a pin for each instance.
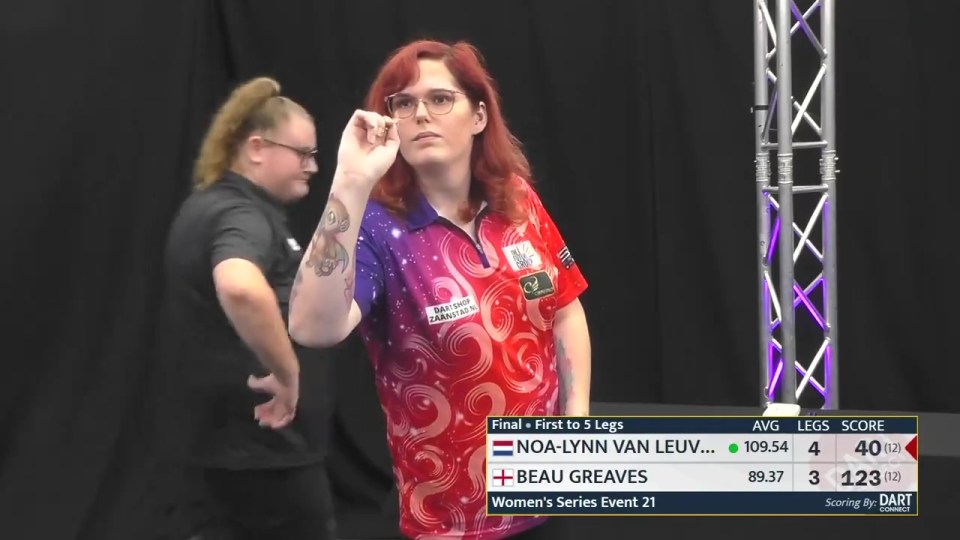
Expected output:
(231, 261)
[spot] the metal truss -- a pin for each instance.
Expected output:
(807, 275)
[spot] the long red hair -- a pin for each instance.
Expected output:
(500, 169)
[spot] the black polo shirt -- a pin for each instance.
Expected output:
(235, 218)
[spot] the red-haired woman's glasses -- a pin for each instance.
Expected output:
(305, 155)
(438, 101)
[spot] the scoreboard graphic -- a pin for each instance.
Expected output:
(796, 466)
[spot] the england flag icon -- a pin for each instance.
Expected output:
(503, 478)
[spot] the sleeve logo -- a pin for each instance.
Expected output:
(565, 257)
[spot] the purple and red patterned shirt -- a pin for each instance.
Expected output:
(459, 329)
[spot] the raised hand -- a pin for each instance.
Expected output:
(368, 146)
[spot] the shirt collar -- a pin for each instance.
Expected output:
(249, 187)
(421, 213)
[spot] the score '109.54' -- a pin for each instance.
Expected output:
(764, 447)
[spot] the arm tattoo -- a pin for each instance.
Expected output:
(565, 373)
(327, 252)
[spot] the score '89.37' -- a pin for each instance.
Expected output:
(771, 476)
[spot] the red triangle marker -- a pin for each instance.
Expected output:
(911, 447)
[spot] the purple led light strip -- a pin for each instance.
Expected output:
(803, 373)
(800, 296)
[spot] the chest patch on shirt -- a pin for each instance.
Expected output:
(522, 256)
(536, 285)
(292, 242)
(451, 311)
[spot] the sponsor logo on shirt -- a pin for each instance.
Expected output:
(565, 257)
(522, 256)
(451, 311)
(292, 242)
(536, 285)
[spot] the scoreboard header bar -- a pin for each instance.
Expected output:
(700, 424)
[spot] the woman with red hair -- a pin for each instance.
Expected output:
(457, 279)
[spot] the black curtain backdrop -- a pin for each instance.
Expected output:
(637, 118)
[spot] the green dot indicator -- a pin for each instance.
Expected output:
(734, 448)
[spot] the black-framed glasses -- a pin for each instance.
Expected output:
(438, 101)
(304, 155)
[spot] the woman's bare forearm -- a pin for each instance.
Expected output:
(322, 297)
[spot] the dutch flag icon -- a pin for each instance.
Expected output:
(503, 448)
